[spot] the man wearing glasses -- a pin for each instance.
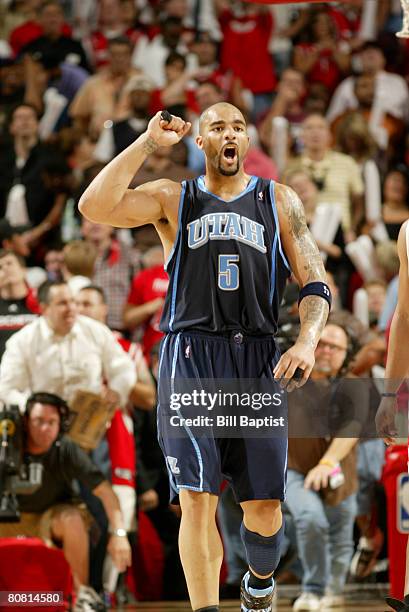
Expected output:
(322, 478)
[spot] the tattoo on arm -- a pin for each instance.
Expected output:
(309, 256)
(313, 309)
(149, 146)
(313, 316)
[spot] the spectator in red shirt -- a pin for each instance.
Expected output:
(322, 60)
(32, 29)
(112, 14)
(145, 302)
(176, 96)
(246, 36)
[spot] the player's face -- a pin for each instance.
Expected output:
(225, 141)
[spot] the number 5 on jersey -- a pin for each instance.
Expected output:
(228, 277)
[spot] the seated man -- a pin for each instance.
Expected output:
(64, 353)
(322, 477)
(52, 512)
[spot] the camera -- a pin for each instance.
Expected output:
(16, 476)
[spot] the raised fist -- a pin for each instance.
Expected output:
(167, 133)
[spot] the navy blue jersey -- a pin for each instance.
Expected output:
(227, 269)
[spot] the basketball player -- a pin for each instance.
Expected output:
(229, 241)
(397, 369)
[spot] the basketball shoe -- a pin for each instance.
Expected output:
(250, 602)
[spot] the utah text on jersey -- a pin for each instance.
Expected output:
(226, 226)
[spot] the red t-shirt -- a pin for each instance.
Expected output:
(29, 31)
(245, 50)
(147, 286)
(346, 22)
(325, 70)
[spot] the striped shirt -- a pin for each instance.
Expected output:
(340, 178)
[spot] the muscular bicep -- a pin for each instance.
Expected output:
(148, 203)
(299, 245)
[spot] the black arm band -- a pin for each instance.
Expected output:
(316, 288)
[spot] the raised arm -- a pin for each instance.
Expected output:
(108, 200)
(307, 267)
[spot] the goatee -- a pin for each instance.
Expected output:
(230, 171)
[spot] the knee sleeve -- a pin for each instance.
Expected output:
(263, 553)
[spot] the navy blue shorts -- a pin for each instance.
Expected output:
(255, 467)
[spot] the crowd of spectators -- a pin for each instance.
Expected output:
(324, 88)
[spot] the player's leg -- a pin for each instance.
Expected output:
(201, 549)
(262, 533)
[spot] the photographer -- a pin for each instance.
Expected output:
(52, 512)
(322, 476)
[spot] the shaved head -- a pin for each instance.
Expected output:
(214, 113)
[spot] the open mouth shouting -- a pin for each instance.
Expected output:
(230, 154)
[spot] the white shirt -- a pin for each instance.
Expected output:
(391, 95)
(36, 359)
(150, 56)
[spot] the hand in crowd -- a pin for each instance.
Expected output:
(155, 305)
(111, 396)
(34, 72)
(318, 477)
(148, 500)
(120, 551)
(201, 73)
(287, 93)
